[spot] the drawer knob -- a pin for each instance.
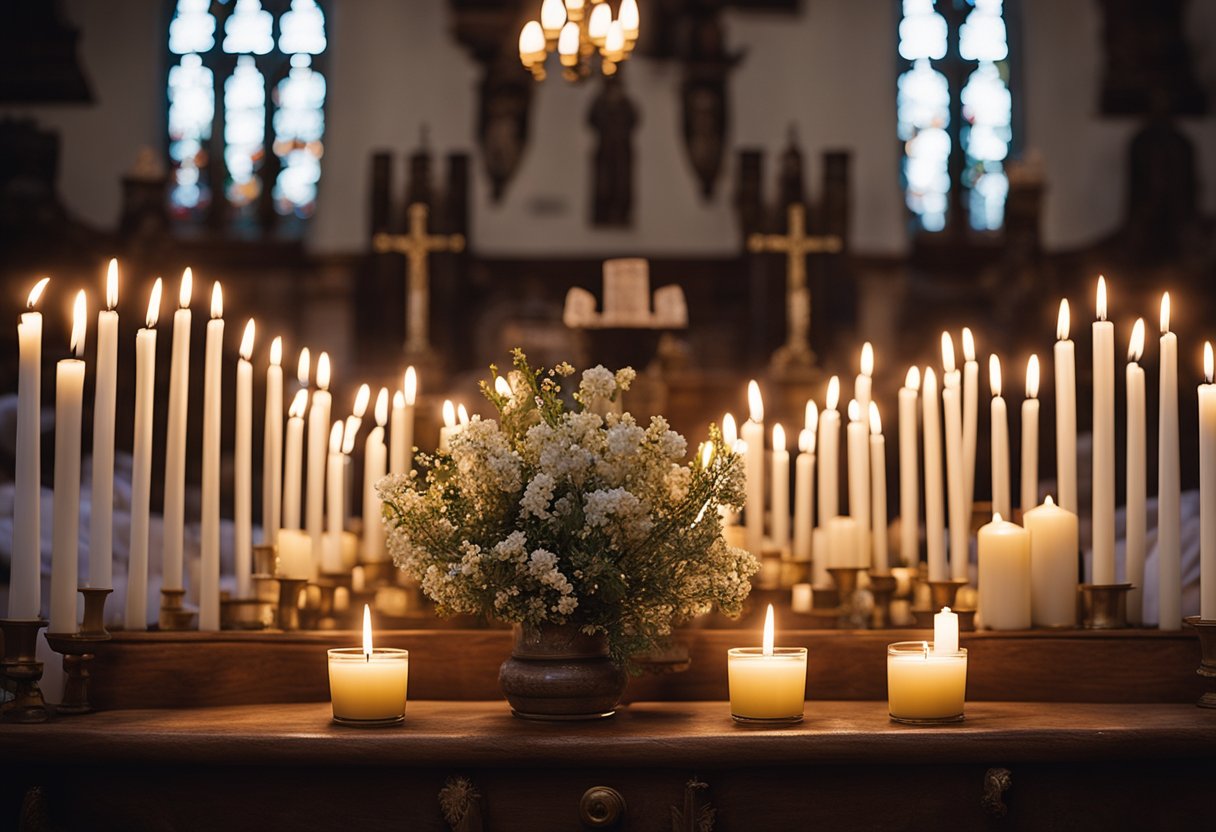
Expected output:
(602, 807)
(997, 781)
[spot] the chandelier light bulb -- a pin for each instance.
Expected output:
(567, 44)
(552, 17)
(598, 23)
(614, 43)
(531, 43)
(630, 20)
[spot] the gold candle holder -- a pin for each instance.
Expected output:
(20, 672)
(378, 572)
(1104, 606)
(845, 578)
(94, 622)
(78, 653)
(174, 615)
(265, 559)
(289, 603)
(945, 594)
(883, 587)
(1207, 661)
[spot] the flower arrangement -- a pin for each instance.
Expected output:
(579, 516)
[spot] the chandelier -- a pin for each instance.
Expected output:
(577, 33)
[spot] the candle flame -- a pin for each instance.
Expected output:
(296, 411)
(112, 283)
(875, 420)
(217, 300)
(367, 632)
(462, 415)
(778, 437)
(1207, 361)
(398, 400)
(707, 454)
(411, 386)
(994, 375)
(1135, 345)
(968, 344)
(186, 289)
(810, 420)
(1032, 377)
(854, 410)
(755, 402)
(1101, 304)
(335, 437)
(832, 400)
(449, 414)
(1165, 313)
(382, 407)
(276, 350)
(768, 631)
(304, 367)
(247, 340)
(997, 518)
(867, 359)
(362, 397)
(323, 371)
(1062, 321)
(501, 387)
(730, 431)
(912, 379)
(153, 305)
(36, 292)
(806, 441)
(947, 352)
(930, 380)
(1049, 502)
(80, 322)
(350, 432)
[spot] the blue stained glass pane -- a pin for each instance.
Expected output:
(248, 29)
(922, 32)
(302, 29)
(299, 125)
(982, 36)
(191, 110)
(987, 110)
(923, 113)
(192, 28)
(244, 126)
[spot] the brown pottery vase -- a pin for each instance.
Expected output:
(555, 672)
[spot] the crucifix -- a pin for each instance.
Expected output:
(417, 246)
(796, 244)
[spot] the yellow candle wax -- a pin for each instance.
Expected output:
(368, 686)
(924, 685)
(767, 684)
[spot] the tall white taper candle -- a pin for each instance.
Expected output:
(173, 528)
(65, 528)
(101, 508)
(209, 518)
(25, 577)
(135, 615)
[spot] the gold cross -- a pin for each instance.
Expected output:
(417, 246)
(796, 245)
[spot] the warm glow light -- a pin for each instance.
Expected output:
(411, 386)
(1101, 304)
(768, 631)
(362, 397)
(276, 350)
(810, 419)
(382, 407)
(1049, 502)
(296, 411)
(367, 632)
(112, 283)
(567, 41)
(629, 17)
(1135, 344)
(1032, 377)
(349, 431)
(186, 290)
(730, 431)
(462, 415)
(854, 410)
(80, 322)
(217, 300)
(912, 379)
(304, 367)
(247, 341)
(449, 414)
(614, 42)
(947, 352)
(154, 305)
(930, 378)
(335, 437)
(323, 371)
(1165, 313)
(832, 400)
(968, 344)
(875, 420)
(994, 375)
(707, 454)
(1207, 361)
(867, 359)
(501, 387)
(598, 23)
(36, 292)
(997, 518)
(778, 437)
(1062, 321)
(552, 17)
(531, 41)
(806, 441)
(755, 402)
(398, 400)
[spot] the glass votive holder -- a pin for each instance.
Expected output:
(368, 690)
(924, 687)
(766, 689)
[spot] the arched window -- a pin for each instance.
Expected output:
(246, 99)
(954, 112)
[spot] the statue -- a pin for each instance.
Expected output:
(614, 117)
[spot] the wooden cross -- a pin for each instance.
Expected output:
(796, 245)
(417, 246)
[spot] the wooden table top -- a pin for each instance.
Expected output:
(643, 733)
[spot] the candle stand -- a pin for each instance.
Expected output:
(173, 613)
(845, 578)
(378, 572)
(265, 559)
(288, 617)
(945, 594)
(1104, 606)
(882, 587)
(824, 598)
(78, 649)
(1207, 663)
(21, 671)
(94, 622)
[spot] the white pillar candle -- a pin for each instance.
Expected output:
(293, 461)
(857, 435)
(1137, 476)
(295, 554)
(272, 447)
(105, 396)
(1103, 486)
(863, 385)
(753, 435)
(1030, 436)
(242, 491)
(829, 454)
(878, 495)
(1169, 507)
(135, 616)
(331, 553)
(173, 527)
(374, 469)
(935, 510)
(1004, 575)
(956, 504)
(1002, 501)
(318, 437)
(804, 495)
(1207, 489)
(65, 520)
(25, 580)
(844, 542)
(401, 435)
(909, 475)
(781, 490)
(209, 519)
(1066, 412)
(802, 598)
(945, 631)
(1053, 564)
(971, 387)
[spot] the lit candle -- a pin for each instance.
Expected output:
(1137, 476)
(448, 412)
(368, 686)
(767, 684)
(272, 447)
(314, 485)
(1207, 489)
(331, 557)
(935, 510)
(927, 684)
(829, 454)
(878, 494)
(242, 491)
(293, 460)
(753, 435)
(857, 435)
(971, 386)
(1053, 565)
(105, 396)
(209, 521)
(136, 613)
(804, 486)
(1001, 498)
(781, 490)
(353, 423)
(173, 527)
(1103, 444)
(374, 469)
(1004, 575)
(863, 386)
(65, 520)
(25, 580)
(730, 438)
(1169, 507)
(1066, 412)
(909, 476)
(956, 504)
(401, 437)
(1030, 436)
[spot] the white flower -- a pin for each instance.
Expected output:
(597, 383)
(537, 496)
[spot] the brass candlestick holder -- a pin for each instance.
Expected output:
(845, 578)
(945, 594)
(1104, 606)
(78, 651)
(1207, 661)
(94, 622)
(174, 615)
(883, 587)
(289, 603)
(265, 559)
(378, 572)
(20, 671)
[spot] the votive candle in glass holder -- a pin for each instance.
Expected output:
(367, 686)
(925, 686)
(767, 684)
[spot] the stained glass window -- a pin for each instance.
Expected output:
(255, 66)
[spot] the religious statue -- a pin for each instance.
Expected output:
(503, 125)
(614, 118)
(703, 93)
